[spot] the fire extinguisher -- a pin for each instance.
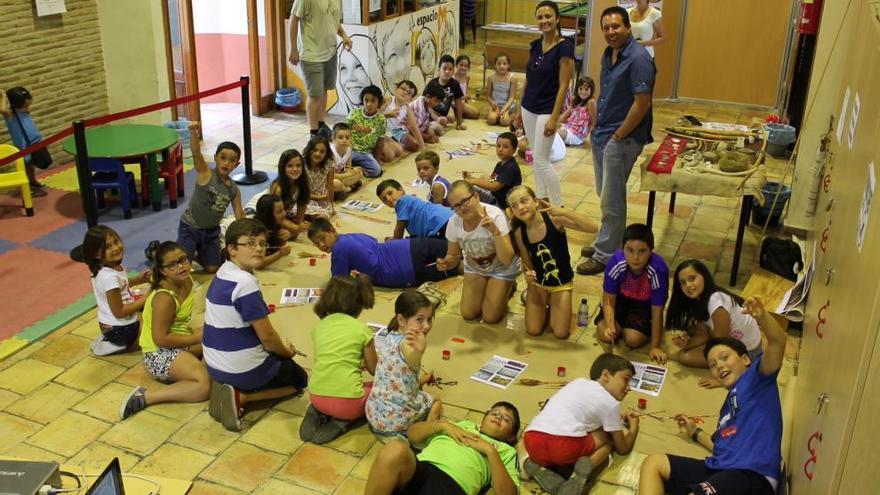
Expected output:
(811, 13)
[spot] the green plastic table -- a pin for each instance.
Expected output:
(127, 141)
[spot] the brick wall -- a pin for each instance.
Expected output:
(59, 59)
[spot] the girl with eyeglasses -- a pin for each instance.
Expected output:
(172, 348)
(480, 234)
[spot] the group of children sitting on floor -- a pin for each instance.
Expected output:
(488, 228)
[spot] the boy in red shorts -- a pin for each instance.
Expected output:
(578, 427)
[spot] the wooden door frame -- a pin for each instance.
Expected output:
(261, 104)
(187, 53)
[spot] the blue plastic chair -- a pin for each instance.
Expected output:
(108, 173)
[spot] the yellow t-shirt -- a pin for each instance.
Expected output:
(180, 326)
(339, 342)
(318, 23)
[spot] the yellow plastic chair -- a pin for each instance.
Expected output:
(17, 179)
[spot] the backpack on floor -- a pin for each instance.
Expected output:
(782, 257)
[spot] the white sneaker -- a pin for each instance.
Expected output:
(101, 347)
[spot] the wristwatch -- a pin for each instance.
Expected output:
(695, 437)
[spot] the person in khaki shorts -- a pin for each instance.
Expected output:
(314, 25)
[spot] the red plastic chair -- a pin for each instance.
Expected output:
(172, 171)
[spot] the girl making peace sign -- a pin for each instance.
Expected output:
(479, 233)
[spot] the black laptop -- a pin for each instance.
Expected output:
(109, 482)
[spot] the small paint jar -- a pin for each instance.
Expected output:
(446, 355)
(643, 404)
(312, 261)
(560, 371)
(271, 308)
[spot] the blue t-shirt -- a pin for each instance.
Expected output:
(542, 75)
(423, 219)
(19, 139)
(618, 84)
(388, 264)
(652, 285)
(749, 430)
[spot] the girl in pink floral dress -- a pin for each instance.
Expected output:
(397, 400)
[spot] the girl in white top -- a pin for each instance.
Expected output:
(704, 310)
(102, 250)
(646, 23)
(461, 74)
(480, 234)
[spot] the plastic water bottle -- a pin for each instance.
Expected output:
(583, 313)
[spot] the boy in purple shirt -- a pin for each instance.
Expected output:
(746, 451)
(635, 289)
(395, 263)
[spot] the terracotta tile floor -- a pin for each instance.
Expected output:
(58, 402)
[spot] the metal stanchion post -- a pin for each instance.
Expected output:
(249, 177)
(84, 175)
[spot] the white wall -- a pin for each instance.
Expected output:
(224, 17)
(133, 38)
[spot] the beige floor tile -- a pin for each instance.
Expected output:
(65, 351)
(126, 360)
(243, 466)
(362, 469)
(351, 486)
(46, 403)
(181, 412)
(141, 433)
(174, 461)
(105, 403)
(68, 434)
(317, 467)
(24, 451)
(16, 429)
(90, 374)
(295, 405)
(201, 487)
(21, 355)
(204, 434)
(26, 376)
(7, 397)
(273, 486)
(136, 376)
(276, 431)
(357, 441)
(97, 455)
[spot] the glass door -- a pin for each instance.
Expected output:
(181, 54)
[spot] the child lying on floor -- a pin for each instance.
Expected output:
(414, 215)
(395, 263)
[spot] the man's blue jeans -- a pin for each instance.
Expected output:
(613, 161)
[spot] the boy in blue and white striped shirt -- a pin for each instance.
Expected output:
(247, 360)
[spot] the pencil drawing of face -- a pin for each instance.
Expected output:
(426, 53)
(352, 77)
(394, 47)
(447, 34)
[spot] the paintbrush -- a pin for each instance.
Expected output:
(368, 218)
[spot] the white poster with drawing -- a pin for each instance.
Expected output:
(648, 379)
(841, 117)
(865, 210)
(499, 371)
(631, 4)
(50, 7)
(853, 121)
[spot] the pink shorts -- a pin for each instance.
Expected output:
(342, 408)
(552, 450)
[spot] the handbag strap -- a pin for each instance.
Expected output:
(27, 141)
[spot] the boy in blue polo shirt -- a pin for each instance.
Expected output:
(746, 453)
(414, 215)
(395, 263)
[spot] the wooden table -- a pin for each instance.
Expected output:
(705, 184)
(129, 142)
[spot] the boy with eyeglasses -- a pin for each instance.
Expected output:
(394, 263)
(247, 360)
(458, 458)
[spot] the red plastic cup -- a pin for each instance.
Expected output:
(447, 355)
(560, 371)
(271, 308)
(312, 261)
(643, 404)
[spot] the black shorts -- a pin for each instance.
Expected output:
(289, 374)
(424, 251)
(430, 480)
(689, 475)
(630, 313)
(123, 335)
